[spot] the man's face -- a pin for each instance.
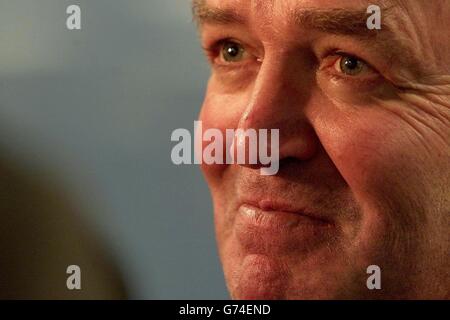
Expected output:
(364, 171)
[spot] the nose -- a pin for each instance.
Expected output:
(278, 100)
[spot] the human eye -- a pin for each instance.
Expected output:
(355, 75)
(228, 53)
(232, 52)
(351, 66)
(349, 69)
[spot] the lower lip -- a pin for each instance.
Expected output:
(261, 231)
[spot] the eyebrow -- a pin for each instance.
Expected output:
(334, 20)
(205, 14)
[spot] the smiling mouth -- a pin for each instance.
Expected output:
(278, 218)
(277, 208)
(266, 226)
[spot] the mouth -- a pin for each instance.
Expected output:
(277, 207)
(274, 226)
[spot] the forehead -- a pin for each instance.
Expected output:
(270, 7)
(272, 11)
(290, 19)
(306, 3)
(281, 15)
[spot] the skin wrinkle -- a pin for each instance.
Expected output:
(431, 100)
(408, 34)
(423, 30)
(380, 167)
(343, 21)
(414, 119)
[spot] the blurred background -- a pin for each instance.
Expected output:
(87, 114)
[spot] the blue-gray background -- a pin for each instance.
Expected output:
(96, 107)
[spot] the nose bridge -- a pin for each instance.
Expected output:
(277, 95)
(278, 101)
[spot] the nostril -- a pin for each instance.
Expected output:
(301, 145)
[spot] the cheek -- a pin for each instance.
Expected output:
(357, 151)
(219, 111)
(384, 169)
(372, 151)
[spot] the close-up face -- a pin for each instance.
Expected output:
(364, 146)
